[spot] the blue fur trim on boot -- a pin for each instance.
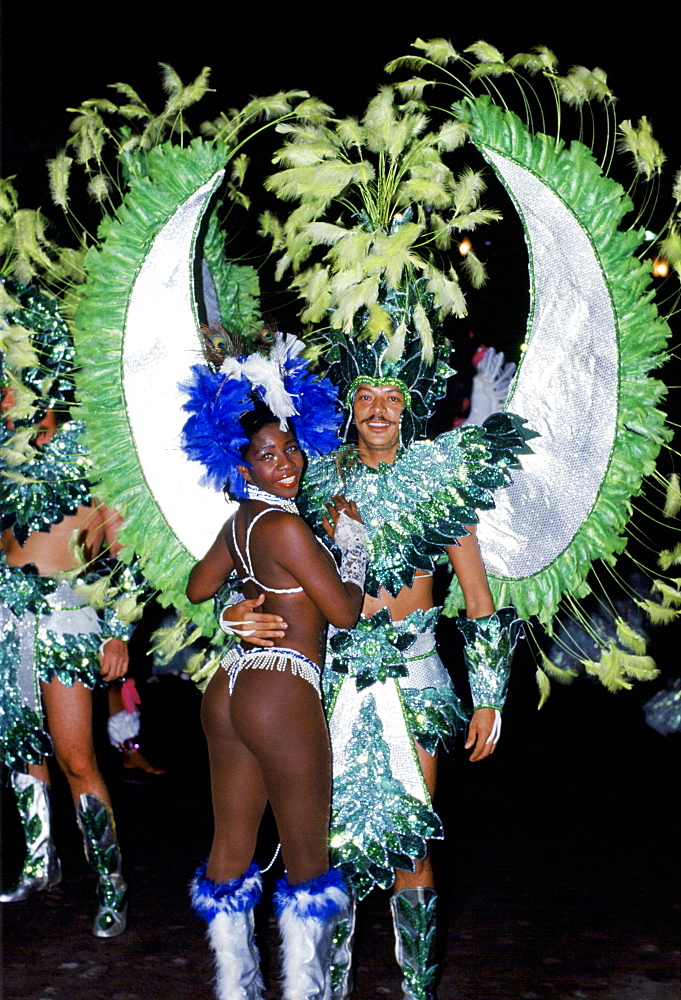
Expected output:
(236, 896)
(319, 899)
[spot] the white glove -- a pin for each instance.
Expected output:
(351, 538)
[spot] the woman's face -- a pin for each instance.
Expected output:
(276, 461)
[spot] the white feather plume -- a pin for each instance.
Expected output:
(267, 372)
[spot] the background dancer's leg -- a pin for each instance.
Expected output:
(69, 721)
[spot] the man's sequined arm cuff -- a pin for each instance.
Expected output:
(488, 650)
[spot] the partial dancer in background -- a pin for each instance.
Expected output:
(55, 646)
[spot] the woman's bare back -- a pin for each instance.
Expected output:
(279, 540)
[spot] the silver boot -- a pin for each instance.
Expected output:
(309, 915)
(96, 823)
(227, 908)
(413, 912)
(42, 868)
(340, 969)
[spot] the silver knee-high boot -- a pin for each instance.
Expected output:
(413, 912)
(227, 908)
(96, 823)
(309, 916)
(340, 969)
(42, 869)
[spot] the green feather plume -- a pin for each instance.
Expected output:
(615, 667)
(17, 477)
(99, 187)
(437, 50)
(670, 249)
(544, 686)
(129, 609)
(672, 502)
(557, 673)
(97, 594)
(644, 148)
(581, 85)
(485, 53)
(201, 667)
(671, 597)
(26, 400)
(15, 344)
(657, 613)
(167, 642)
(539, 60)
(58, 170)
(630, 638)
(669, 557)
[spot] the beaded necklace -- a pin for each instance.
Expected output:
(255, 493)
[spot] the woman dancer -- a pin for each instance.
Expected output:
(264, 723)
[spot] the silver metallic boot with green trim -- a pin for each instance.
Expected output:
(42, 869)
(413, 912)
(340, 968)
(96, 823)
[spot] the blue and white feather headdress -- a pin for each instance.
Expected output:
(216, 400)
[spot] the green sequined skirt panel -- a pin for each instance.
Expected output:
(45, 633)
(67, 640)
(378, 699)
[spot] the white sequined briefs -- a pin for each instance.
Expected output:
(273, 658)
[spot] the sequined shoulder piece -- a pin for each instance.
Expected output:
(39, 492)
(423, 501)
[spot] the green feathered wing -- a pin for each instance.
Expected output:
(593, 335)
(136, 338)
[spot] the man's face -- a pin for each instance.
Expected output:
(377, 411)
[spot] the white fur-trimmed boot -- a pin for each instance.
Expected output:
(413, 912)
(309, 915)
(227, 908)
(42, 868)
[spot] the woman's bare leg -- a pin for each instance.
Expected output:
(280, 719)
(268, 741)
(238, 790)
(69, 721)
